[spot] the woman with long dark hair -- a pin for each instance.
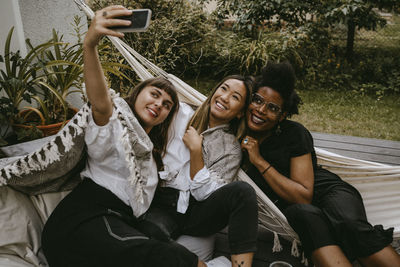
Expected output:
(98, 223)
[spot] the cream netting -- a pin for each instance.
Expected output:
(378, 184)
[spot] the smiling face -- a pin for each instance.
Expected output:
(264, 111)
(152, 106)
(227, 102)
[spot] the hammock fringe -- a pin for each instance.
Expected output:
(277, 245)
(304, 260)
(295, 250)
(33, 163)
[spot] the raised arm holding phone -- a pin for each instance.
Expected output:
(98, 223)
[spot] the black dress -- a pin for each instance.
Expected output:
(337, 214)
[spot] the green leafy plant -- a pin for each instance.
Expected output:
(45, 76)
(354, 14)
(18, 80)
(62, 67)
(176, 41)
(311, 34)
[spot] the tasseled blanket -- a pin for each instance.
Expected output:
(57, 164)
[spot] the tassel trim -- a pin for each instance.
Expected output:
(49, 153)
(295, 250)
(304, 260)
(3, 181)
(135, 179)
(277, 245)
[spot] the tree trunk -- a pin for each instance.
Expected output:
(351, 29)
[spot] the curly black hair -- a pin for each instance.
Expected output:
(281, 78)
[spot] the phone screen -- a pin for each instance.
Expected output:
(140, 19)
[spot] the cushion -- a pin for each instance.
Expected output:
(20, 229)
(203, 247)
(25, 148)
(46, 203)
(13, 261)
(22, 217)
(59, 175)
(51, 164)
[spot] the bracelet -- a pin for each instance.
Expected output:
(266, 169)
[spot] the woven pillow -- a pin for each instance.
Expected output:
(53, 167)
(22, 217)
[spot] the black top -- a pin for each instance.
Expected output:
(293, 140)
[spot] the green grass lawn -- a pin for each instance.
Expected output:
(350, 114)
(386, 37)
(345, 113)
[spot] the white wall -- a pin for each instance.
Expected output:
(39, 17)
(35, 19)
(10, 16)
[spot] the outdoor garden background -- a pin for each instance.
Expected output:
(346, 54)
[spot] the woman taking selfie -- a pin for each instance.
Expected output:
(327, 213)
(97, 223)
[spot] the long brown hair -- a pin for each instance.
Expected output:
(159, 133)
(201, 117)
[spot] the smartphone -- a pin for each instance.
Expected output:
(140, 21)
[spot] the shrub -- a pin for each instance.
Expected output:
(184, 41)
(235, 53)
(175, 39)
(373, 71)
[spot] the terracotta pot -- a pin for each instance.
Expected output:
(48, 129)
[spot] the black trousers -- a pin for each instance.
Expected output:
(92, 227)
(233, 205)
(337, 217)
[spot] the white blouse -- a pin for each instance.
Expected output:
(106, 164)
(176, 161)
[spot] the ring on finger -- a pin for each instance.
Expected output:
(245, 141)
(104, 13)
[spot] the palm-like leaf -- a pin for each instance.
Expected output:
(47, 74)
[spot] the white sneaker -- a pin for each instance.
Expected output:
(220, 261)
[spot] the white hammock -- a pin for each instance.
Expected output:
(379, 184)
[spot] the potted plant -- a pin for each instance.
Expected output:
(62, 66)
(52, 71)
(18, 80)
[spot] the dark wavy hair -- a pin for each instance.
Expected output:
(281, 78)
(159, 133)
